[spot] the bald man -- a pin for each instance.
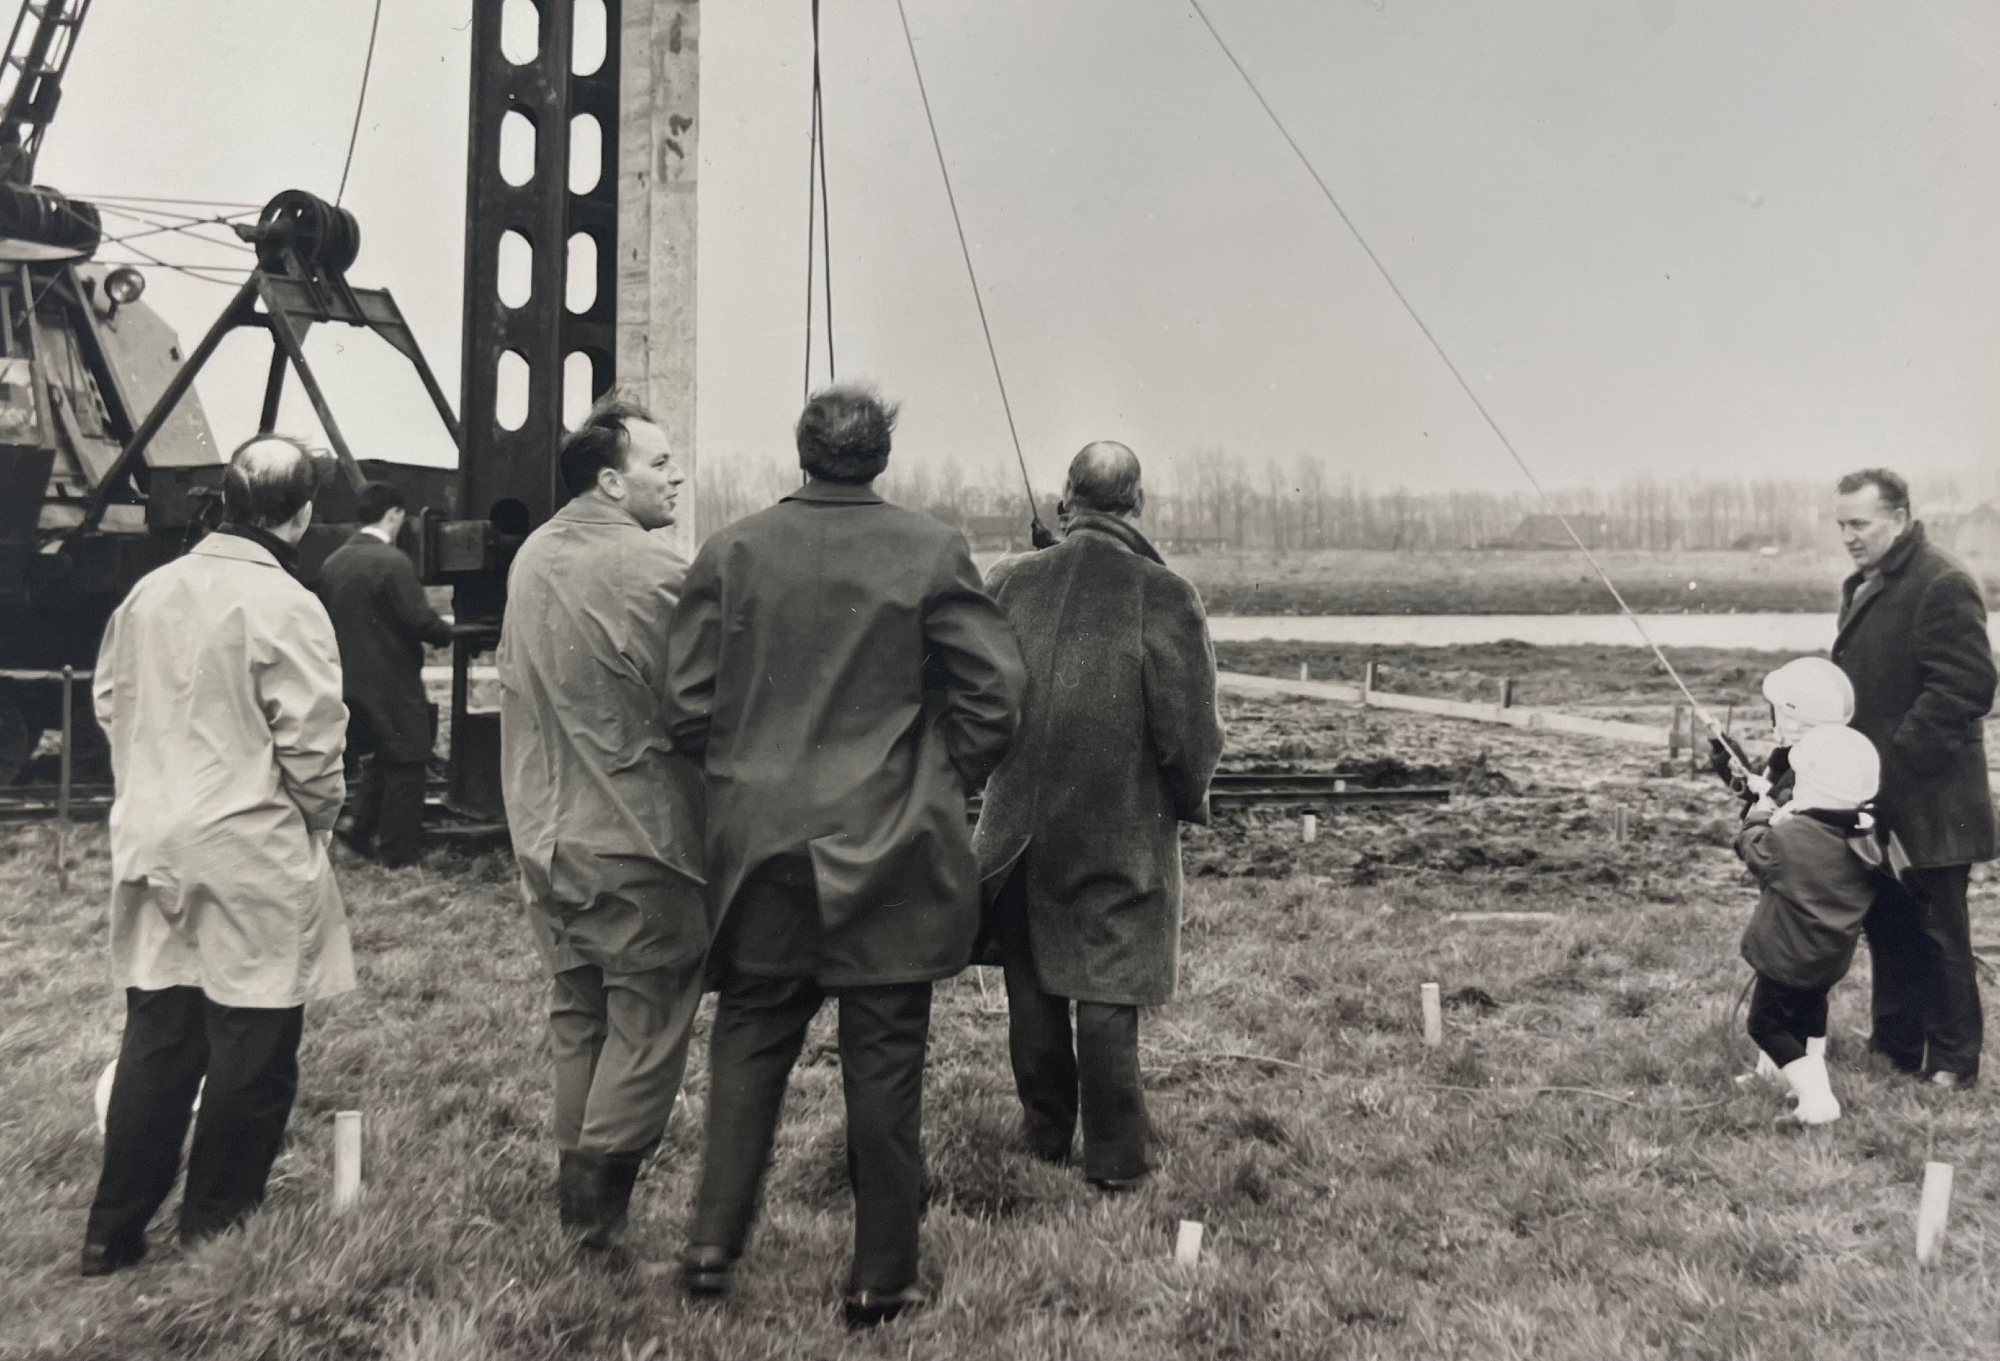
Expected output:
(1079, 839)
(218, 682)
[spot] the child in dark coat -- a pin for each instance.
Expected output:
(1815, 857)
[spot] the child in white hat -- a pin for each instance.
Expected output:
(1805, 693)
(1816, 857)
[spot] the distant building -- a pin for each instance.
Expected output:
(1971, 531)
(1546, 531)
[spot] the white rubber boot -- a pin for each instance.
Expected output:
(1816, 1102)
(1765, 1071)
(1816, 1044)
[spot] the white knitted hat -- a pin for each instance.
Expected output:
(1836, 768)
(1811, 691)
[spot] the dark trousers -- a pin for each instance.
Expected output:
(390, 809)
(1926, 985)
(174, 1037)
(1782, 1018)
(1099, 1074)
(760, 1024)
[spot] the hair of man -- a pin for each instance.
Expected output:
(1890, 486)
(377, 499)
(844, 434)
(269, 480)
(1104, 478)
(598, 443)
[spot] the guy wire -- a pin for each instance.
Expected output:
(1034, 512)
(1707, 720)
(360, 103)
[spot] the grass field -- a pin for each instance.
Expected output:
(1571, 1175)
(1549, 581)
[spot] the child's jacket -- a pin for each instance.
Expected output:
(1816, 868)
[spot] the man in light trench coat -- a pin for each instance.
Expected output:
(847, 683)
(218, 682)
(605, 817)
(1079, 839)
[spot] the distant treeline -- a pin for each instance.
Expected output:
(1213, 500)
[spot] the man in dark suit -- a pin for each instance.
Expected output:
(1079, 838)
(1913, 641)
(846, 683)
(383, 621)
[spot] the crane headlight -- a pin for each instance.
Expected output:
(124, 285)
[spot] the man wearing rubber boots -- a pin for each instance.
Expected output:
(1913, 640)
(1079, 839)
(847, 683)
(218, 683)
(606, 819)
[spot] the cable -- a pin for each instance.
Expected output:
(1034, 512)
(825, 205)
(1707, 719)
(360, 103)
(242, 208)
(812, 206)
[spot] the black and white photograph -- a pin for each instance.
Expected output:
(998, 680)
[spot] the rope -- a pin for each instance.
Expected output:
(817, 212)
(360, 103)
(992, 353)
(1707, 719)
(184, 202)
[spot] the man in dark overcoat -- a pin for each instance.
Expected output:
(382, 620)
(846, 683)
(1913, 641)
(1079, 838)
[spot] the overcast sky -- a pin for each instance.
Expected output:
(1660, 236)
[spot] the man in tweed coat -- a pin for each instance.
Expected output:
(1079, 839)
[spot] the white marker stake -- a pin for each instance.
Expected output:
(1187, 1248)
(1304, 672)
(1433, 1016)
(1931, 1212)
(346, 1160)
(1309, 828)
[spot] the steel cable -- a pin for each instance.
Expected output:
(986, 329)
(360, 103)
(1706, 718)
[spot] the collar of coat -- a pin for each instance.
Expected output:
(837, 493)
(1893, 562)
(247, 543)
(1112, 527)
(595, 510)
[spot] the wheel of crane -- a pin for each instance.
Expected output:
(319, 234)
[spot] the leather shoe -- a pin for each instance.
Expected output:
(101, 1259)
(1114, 1186)
(706, 1270)
(870, 1308)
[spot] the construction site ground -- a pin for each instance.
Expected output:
(1572, 1173)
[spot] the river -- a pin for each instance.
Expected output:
(1770, 632)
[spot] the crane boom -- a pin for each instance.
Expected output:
(38, 52)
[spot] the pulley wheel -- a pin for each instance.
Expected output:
(322, 236)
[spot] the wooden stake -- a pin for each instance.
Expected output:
(1309, 828)
(1367, 681)
(1433, 1016)
(1506, 692)
(346, 1160)
(1621, 824)
(1674, 732)
(1305, 672)
(1187, 1247)
(1931, 1212)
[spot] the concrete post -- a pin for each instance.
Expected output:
(659, 130)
